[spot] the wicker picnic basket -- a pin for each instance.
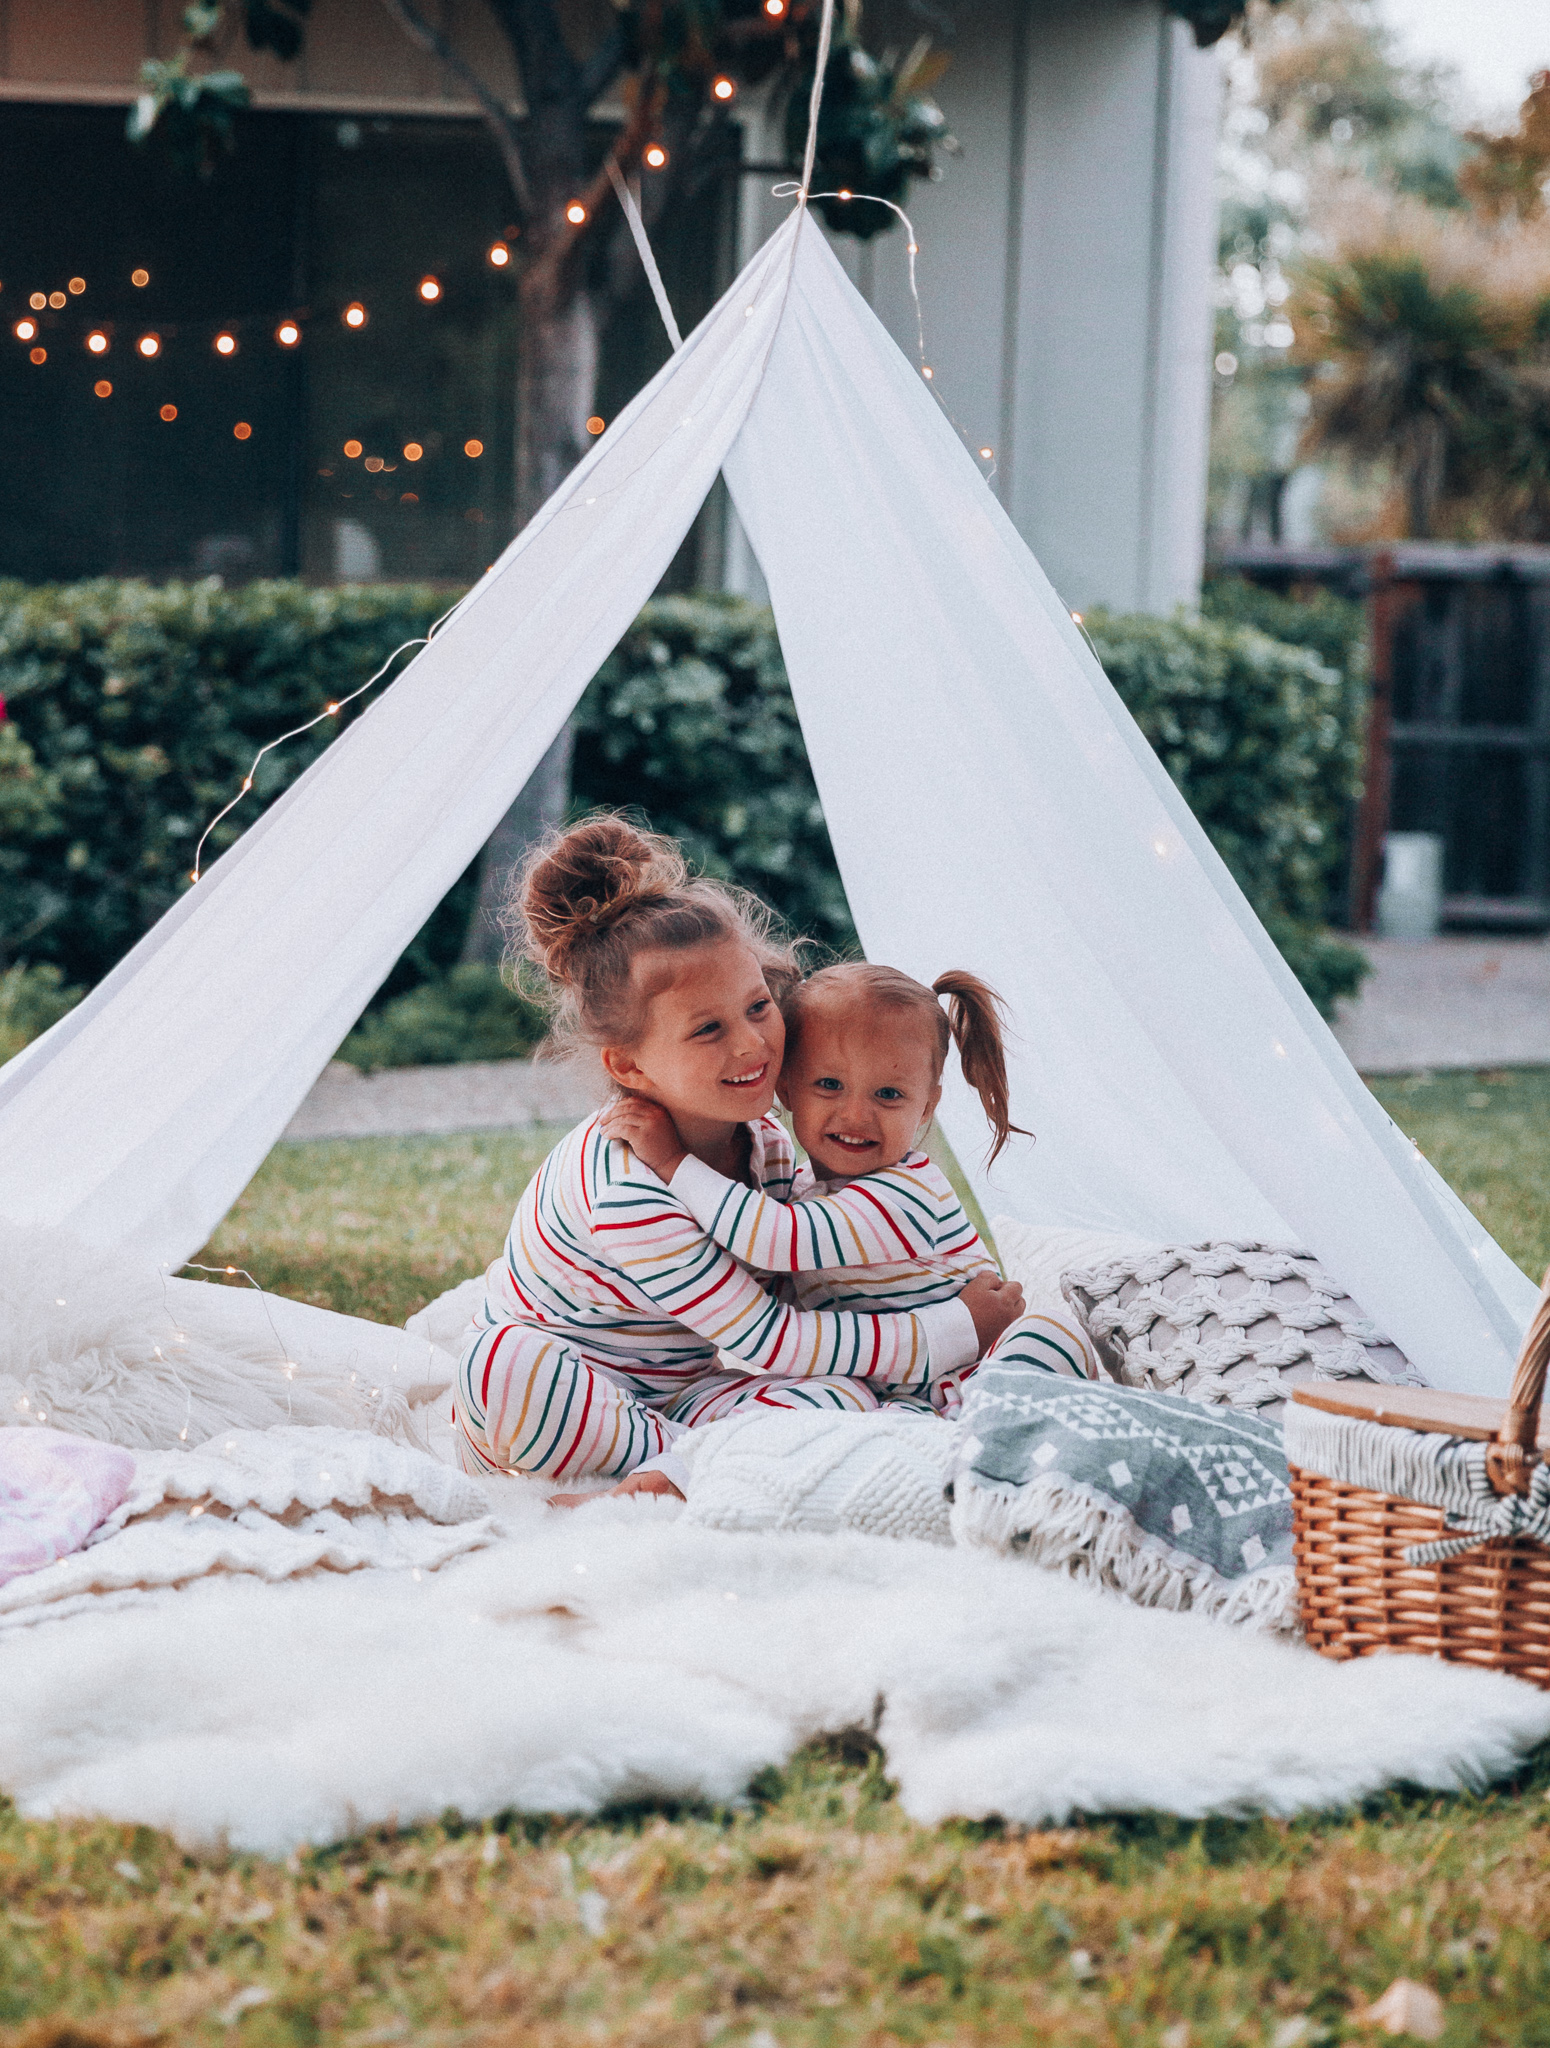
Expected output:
(1421, 1520)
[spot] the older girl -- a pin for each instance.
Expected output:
(603, 1320)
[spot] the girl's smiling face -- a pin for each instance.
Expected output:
(860, 1083)
(711, 1048)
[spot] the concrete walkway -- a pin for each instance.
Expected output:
(478, 1095)
(1441, 1003)
(1450, 1002)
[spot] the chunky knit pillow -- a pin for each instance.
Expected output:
(1230, 1322)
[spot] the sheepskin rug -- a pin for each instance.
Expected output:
(620, 1652)
(116, 1350)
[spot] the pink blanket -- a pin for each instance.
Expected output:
(54, 1490)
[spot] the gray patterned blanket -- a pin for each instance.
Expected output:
(1171, 1502)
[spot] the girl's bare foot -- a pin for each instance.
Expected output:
(638, 1482)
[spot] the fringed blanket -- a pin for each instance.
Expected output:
(1170, 1502)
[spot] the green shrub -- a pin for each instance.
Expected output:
(136, 712)
(1263, 742)
(468, 1014)
(1334, 627)
(690, 720)
(31, 999)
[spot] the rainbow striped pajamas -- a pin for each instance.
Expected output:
(612, 1322)
(889, 1241)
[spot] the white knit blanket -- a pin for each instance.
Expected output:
(272, 1504)
(624, 1652)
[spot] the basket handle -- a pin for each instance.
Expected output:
(1510, 1460)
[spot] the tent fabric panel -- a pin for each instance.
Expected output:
(993, 806)
(137, 1122)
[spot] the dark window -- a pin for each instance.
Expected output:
(248, 475)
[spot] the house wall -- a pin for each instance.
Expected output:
(356, 60)
(1065, 277)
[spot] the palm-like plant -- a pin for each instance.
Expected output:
(1417, 374)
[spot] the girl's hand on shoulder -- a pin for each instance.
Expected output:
(649, 1132)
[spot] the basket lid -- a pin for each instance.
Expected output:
(1477, 1416)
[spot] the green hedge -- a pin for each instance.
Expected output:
(1264, 742)
(691, 721)
(134, 713)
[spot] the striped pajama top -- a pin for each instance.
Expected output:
(894, 1240)
(603, 1258)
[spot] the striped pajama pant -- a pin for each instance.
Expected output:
(527, 1402)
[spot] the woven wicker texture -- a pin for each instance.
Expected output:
(1232, 1322)
(1490, 1606)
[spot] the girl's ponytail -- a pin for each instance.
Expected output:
(974, 1017)
(972, 1021)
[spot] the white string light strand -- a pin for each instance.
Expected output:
(911, 250)
(328, 711)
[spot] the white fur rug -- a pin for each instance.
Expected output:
(621, 1653)
(115, 1350)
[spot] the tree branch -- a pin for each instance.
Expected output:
(603, 66)
(497, 116)
(550, 74)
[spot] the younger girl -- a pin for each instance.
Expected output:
(872, 1223)
(599, 1336)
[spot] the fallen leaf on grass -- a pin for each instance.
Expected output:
(1407, 2008)
(245, 2000)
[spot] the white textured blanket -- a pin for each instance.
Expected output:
(269, 1503)
(621, 1653)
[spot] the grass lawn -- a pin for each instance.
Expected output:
(816, 1913)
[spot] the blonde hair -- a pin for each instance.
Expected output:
(592, 897)
(972, 1020)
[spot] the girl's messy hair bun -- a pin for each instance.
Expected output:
(589, 898)
(583, 882)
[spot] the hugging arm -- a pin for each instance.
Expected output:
(662, 1249)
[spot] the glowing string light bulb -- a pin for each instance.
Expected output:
(575, 213)
(430, 289)
(26, 329)
(149, 345)
(97, 342)
(226, 344)
(287, 334)
(775, 8)
(355, 314)
(655, 156)
(500, 255)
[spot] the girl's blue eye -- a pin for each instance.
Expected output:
(827, 1082)
(890, 1094)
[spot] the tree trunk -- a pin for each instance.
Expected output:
(537, 810)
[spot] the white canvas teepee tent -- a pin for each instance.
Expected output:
(991, 803)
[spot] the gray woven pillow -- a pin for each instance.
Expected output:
(1229, 1322)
